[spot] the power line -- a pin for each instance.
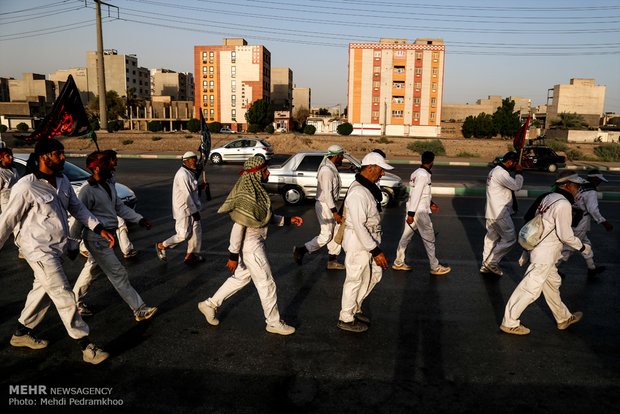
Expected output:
(35, 8)
(39, 15)
(483, 8)
(46, 31)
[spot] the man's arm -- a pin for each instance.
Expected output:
(415, 194)
(505, 180)
(563, 219)
(15, 209)
(237, 235)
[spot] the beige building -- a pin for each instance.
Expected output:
(121, 73)
(302, 98)
(229, 78)
(33, 87)
(581, 96)
(458, 112)
(396, 88)
(281, 88)
(166, 82)
(80, 76)
(172, 114)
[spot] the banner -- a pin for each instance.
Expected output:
(519, 140)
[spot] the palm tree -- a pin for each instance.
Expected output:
(569, 120)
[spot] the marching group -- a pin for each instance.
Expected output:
(35, 207)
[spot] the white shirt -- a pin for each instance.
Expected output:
(557, 217)
(327, 189)
(185, 201)
(362, 230)
(500, 186)
(8, 178)
(587, 200)
(419, 191)
(41, 211)
(250, 239)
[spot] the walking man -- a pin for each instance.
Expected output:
(327, 194)
(8, 176)
(501, 204)
(249, 207)
(586, 204)
(39, 203)
(364, 260)
(542, 273)
(98, 194)
(419, 208)
(185, 211)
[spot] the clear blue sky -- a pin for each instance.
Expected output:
(518, 48)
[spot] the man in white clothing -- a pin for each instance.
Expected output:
(186, 212)
(419, 208)
(8, 176)
(501, 204)
(364, 259)
(327, 194)
(249, 206)
(39, 203)
(586, 206)
(542, 273)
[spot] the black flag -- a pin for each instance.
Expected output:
(67, 117)
(205, 150)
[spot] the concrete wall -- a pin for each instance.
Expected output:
(581, 96)
(281, 88)
(80, 76)
(31, 87)
(572, 135)
(458, 112)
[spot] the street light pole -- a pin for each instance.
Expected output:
(103, 113)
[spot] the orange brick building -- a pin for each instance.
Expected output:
(228, 79)
(395, 87)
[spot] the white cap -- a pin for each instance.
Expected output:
(189, 154)
(335, 149)
(573, 178)
(597, 174)
(376, 159)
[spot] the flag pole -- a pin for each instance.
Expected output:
(527, 121)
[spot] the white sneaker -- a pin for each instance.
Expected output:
(440, 270)
(280, 328)
(94, 355)
(209, 312)
(491, 268)
(403, 266)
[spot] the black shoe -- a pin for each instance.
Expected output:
(355, 326)
(596, 271)
(298, 254)
(362, 318)
(194, 259)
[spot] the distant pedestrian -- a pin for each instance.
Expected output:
(40, 202)
(586, 207)
(500, 206)
(419, 209)
(249, 207)
(327, 195)
(361, 241)
(542, 273)
(98, 194)
(8, 176)
(185, 211)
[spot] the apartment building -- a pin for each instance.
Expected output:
(395, 87)
(581, 96)
(33, 87)
(228, 79)
(80, 76)
(121, 73)
(281, 88)
(166, 82)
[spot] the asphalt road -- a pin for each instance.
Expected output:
(433, 346)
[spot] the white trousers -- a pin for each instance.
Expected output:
(498, 241)
(362, 274)
(122, 235)
(329, 228)
(101, 255)
(538, 277)
(567, 251)
(51, 286)
(187, 229)
(423, 224)
(253, 266)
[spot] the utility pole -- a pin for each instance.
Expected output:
(103, 112)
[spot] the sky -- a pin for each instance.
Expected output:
(508, 48)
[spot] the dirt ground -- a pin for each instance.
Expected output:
(394, 147)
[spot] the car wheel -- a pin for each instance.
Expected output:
(260, 155)
(216, 158)
(387, 196)
(292, 195)
(552, 168)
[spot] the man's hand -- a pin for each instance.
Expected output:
(196, 216)
(518, 168)
(434, 208)
(380, 260)
(232, 265)
(409, 219)
(608, 226)
(203, 186)
(587, 249)
(108, 236)
(297, 220)
(145, 223)
(337, 217)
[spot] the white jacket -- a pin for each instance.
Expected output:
(362, 222)
(500, 186)
(557, 217)
(420, 191)
(8, 178)
(41, 211)
(185, 201)
(250, 239)
(327, 189)
(587, 201)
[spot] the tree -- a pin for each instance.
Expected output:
(469, 126)
(116, 105)
(193, 125)
(260, 113)
(309, 129)
(569, 120)
(154, 126)
(344, 129)
(300, 116)
(22, 127)
(324, 111)
(269, 129)
(484, 126)
(214, 127)
(507, 121)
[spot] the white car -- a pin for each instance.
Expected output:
(226, 130)
(240, 150)
(77, 176)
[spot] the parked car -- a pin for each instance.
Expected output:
(296, 178)
(240, 150)
(538, 157)
(77, 176)
(226, 130)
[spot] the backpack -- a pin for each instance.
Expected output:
(530, 234)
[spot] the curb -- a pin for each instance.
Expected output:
(481, 191)
(484, 164)
(146, 156)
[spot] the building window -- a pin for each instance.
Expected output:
(233, 71)
(376, 85)
(400, 54)
(399, 69)
(211, 100)
(434, 86)
(376, 69)
(233, 57)
(398, 99)
(233, 114)
(377, 53)
(416, 100)
(205, 113)
(432, 116)
(375, 114)
(416, 116)
(211, 85)
(204, 56)
(435, 70)
(418, 55)
(233, 100)
(398, 85)
(204, 86)
(210, 71)
(375, 100)
(211, 114)
(417, 86)
(205, 98)
(433, 102)
(418, 71)
(233, 85)
(397, 114)
(211, 57)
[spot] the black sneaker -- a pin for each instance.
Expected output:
(355, 326)
(298, 254)
(596, 271)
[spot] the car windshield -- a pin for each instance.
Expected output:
(75, 173)
(265, 143)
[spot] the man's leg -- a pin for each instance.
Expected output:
(194, 243)
(86, 277)
(122, 234)
(526, 292)
(260, 271)
(403, 243)
(422, 222)
(232, 285)
(505, 229)
(551, 292)
(365, 289)
(327, 224)
(183, 228)
(489, 240)
(357, 275)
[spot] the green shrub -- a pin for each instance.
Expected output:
(253, 128)
(193, 125)
(309, 130)
(421, 146)
(384, 140)
(573, 154)
(94, 124)
(214, 127)
(465, 154)
(154, 126)
(608, 152)
(3, 128)
(556, 145)
(114, 126)
(22, 127)
(269, 129)
(127, 141)
(155, 138)
(344, 129)
(18, 142)
(189, 136)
